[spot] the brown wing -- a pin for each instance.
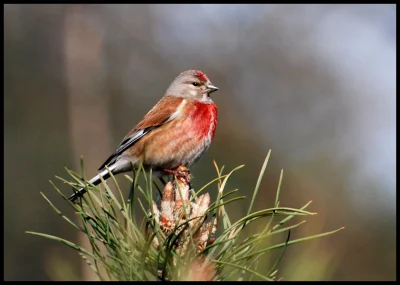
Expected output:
(158, 114)
(156, 117)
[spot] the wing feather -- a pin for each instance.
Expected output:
(164, 111)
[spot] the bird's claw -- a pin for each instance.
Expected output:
(180, 172)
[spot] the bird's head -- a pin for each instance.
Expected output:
(192, 84)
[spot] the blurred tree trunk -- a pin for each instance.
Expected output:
(88, 106)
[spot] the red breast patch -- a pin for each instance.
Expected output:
(206, 117)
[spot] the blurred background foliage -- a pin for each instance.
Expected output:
(314, 83)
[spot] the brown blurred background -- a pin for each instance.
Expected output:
(314, 83)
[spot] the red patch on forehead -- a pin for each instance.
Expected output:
(201, 76)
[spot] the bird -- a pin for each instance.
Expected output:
(175, 132)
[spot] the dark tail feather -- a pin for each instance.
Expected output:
(78, 193)
(95, 181)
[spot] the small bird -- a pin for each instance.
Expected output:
(175, 132)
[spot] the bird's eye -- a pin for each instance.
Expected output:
(195, 84)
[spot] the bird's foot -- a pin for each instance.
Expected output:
(181, 173)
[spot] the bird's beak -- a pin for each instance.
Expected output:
(211, 88)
